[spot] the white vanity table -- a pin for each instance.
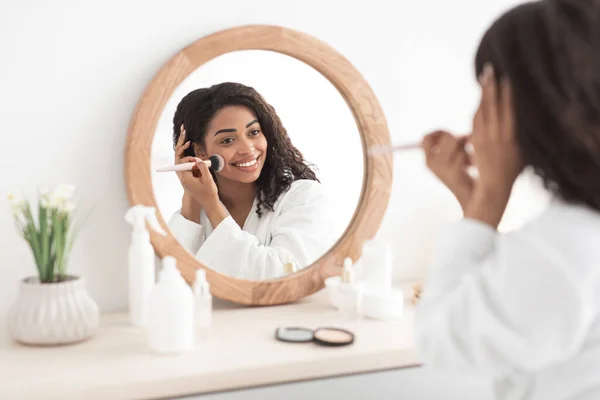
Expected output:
(240, 353)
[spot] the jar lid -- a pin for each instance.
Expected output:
(294, 334)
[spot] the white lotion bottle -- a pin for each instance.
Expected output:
(203, 303)
(141, 262)
(171, 322)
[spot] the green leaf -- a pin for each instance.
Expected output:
(59, 242)
(29, 235)
(45, 242)
(33, 239)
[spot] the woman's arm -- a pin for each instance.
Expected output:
(495, 303)
(299, 235)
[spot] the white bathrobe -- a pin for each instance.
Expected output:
(297, 231)
(521, 308)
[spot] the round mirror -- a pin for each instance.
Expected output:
(268, 129)
(312, 199)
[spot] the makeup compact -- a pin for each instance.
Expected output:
(333, 337)
(294, 334)
(325, 336)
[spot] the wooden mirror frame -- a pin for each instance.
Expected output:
(370, 121)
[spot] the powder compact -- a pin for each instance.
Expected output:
(324, 336)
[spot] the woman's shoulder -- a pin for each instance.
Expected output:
(302, 191)
(307, 188)
(305, 185)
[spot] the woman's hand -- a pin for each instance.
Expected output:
(496, 153)
(198, 184)
(447, 159)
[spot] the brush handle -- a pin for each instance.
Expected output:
(182, 167)
(401, 147)
(392, 149)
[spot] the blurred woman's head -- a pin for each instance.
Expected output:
(550, 52)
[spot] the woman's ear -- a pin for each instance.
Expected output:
(198, 152)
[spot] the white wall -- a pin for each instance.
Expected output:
(71, 73)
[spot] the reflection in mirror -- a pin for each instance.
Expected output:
(292, 168)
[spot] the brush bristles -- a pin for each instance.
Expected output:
(216, 163)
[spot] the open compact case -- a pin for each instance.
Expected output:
(324, 336)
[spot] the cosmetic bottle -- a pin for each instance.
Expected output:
(141, 262)
(202, 304)
(171, 321)
(380, 300)
(377, 265)
(350, 292)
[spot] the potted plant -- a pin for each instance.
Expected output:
(52, 307)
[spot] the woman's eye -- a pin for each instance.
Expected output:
(226, 141)
(254, 132)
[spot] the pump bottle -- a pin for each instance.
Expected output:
(203, 303)
(171, 327)
(350, 291)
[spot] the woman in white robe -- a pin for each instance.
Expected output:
(523, 308)
(264, 214)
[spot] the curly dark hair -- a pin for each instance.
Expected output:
(550, 52)
(284, 163)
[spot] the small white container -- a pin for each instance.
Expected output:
(202, 303)
(349, 292)
(171, 320)
(383, 305)
(332, 286)
(350, 299)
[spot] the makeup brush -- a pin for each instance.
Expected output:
(216, 163)
(410, 146)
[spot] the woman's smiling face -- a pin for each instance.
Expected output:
(235, 134)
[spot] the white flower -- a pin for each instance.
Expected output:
(67, 207)
(64, 191)
(45, 202)
(44, 196)
(43, 190)
(15, 198)
(17, 203)
(58, 198)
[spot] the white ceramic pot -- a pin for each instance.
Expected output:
(53, 313)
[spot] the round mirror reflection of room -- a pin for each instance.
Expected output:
(261, 165)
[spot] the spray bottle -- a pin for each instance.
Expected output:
(141, 262)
